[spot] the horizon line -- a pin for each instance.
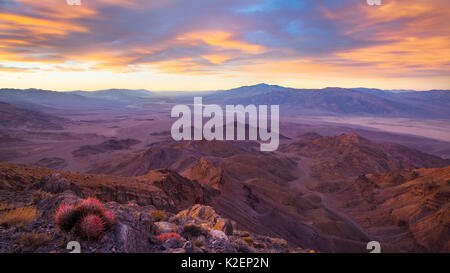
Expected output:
(216, 90)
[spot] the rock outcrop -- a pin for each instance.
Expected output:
(407, 208)
(198, 229)
(206, 173)
(190, 227)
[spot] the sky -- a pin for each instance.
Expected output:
(209, 45)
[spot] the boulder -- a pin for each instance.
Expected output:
(166, 227)
(207, 217)
(218, 234)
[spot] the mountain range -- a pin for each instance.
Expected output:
(331, 101)
(298, 194)
(329, 187)
(14, 117)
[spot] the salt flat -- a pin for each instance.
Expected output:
(438, 129)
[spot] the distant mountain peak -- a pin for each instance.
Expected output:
(256, 89)
(261, 85)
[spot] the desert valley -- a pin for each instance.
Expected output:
(353, 166)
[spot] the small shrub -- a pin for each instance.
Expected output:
(91, 227)
(33, 239)
(3, 206)
(158, 215)
(90, 206)
(166, 236)
(248, 240)
(259, 245)
(108, 219)
(40, 195)
(18, 217)
(66, 217)
(200, 241)
(193, 229)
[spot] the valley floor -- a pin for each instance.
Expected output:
(333, 185)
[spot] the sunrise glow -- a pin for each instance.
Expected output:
(201, 45)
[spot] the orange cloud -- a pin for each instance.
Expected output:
(15, 22)
(59, 9)
(220, 39)
(404, 56)
(16, 70)
(408, 37)
(400, 38)
(217, 58)
(179, 66)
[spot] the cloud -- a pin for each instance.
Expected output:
(220, 39)
(37, 26)
(282, 39)
(216, 58)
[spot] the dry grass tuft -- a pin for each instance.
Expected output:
(33, 239)
(40, 195)
(3, 206)
(18, 217)
(158, 215)
(248, 240)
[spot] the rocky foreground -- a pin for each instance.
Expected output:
(27, 219)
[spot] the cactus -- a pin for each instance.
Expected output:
(66, 217)
(89, 218)
(91, 227)
(90, 206)
(108, 219)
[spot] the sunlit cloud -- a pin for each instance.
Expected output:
(219, 39)
(231, 42)
(216, 58)
(37, 26)
(408, 37)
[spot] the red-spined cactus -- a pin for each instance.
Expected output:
(88, 216)
(166, 236)
(90, 206)
(108, 219)
(91, 227)
(66, 217)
